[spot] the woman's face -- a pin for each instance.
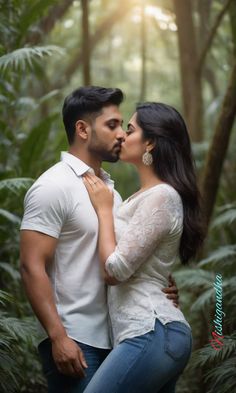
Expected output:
(133, 147)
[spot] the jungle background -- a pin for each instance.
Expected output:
(181, 52)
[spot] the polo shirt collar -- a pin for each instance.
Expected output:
(79, 166)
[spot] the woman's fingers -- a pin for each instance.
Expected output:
(93, 181)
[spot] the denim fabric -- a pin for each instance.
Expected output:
(59, 383)
(149, 363)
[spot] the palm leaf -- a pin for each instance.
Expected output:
(22, 58)
(34, 145)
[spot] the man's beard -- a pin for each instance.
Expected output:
(99, 150)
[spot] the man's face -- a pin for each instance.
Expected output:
(107, 134)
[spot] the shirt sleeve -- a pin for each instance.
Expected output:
(151, 222)
(44, 209)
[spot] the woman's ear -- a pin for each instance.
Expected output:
(150, 145)
(81, 129)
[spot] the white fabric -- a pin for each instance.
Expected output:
(148, 230)
(58, 205)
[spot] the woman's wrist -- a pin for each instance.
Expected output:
(104, 211)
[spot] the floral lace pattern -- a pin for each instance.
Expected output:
(148, 231)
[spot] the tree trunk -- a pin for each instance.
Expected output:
(204, 10)
(190, 77)
(86, 42)
(97, 36)
(143, 55)
(218, 149)
(232, 14)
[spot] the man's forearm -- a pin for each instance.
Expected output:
(39, 292)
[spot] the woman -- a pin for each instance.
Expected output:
(152, 339)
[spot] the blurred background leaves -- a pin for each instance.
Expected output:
(181, 52)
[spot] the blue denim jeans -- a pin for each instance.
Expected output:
(149, 363)
(60, 383)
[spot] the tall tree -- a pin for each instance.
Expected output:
(192, 61)
(190, 77)
(86, 42)
(218, 148)
(105, 25)
(143, 85)
(221, 137)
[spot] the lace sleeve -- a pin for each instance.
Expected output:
(151, 222)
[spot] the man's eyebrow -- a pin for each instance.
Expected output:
(121, 121)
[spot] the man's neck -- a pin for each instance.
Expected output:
(87, 159)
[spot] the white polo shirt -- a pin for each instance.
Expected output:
(58, 205)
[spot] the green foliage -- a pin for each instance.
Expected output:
(226, 216)
(222, 254)
(221, 376)
(17, 345)
(196, 285)
(33, 82)
(21, 59)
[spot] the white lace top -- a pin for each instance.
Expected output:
(148, 229)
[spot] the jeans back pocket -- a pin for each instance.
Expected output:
(178, 340)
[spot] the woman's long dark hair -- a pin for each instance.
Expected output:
(173, 164)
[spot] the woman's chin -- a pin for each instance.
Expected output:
(122, 157)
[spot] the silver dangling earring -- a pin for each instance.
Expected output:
(147, 158)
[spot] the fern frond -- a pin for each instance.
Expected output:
(223, 378)
(226, 217)
(204, 300)
(16, 328)
(224, 253)
(8, 372)
(208, 356)
(194, 278)
(22, 58)
(5, 297)
(16, 185)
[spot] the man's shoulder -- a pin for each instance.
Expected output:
(56, 176)
(55, 182)
(56, 171)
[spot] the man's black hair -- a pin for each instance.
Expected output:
(87, 103)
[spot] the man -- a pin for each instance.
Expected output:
(59, 260)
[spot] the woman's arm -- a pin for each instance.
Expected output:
(102, 200)
(146, 228)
